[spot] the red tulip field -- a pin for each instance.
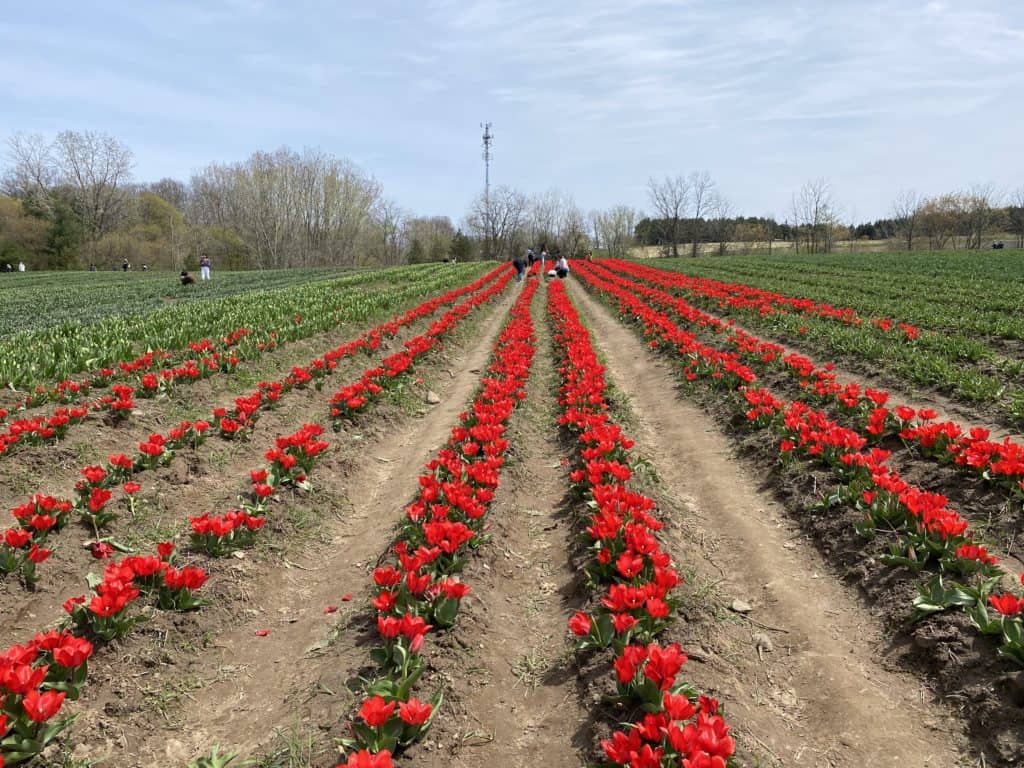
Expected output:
(702, 514)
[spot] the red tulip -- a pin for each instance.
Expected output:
(41, 707)
(375, 711)
(414, 712)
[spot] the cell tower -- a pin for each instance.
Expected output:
(488, 138)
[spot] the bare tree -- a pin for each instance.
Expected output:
(702, 199)
(617, 227)
(32, 172)
(1017, 214)
(723, 223)
(814, 216)
(595, 233)
(906, 211)
(502, 220)
(292, 209)
(976, 213)
(543, 215)
(171, 190)
(389, 223)
(938, 220)
(97, 167)
(669, 199)
(572, 234)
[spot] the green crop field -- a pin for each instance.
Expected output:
(54, 325)
(968, 307)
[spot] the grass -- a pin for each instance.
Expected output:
(531, 667)
(164, 698)
(293, 748)
(148, 525)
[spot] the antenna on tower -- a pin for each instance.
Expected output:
(488, 138)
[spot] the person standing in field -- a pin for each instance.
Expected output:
(543, 258)
(21, 266)
(517, 262)
(125, 266)
(204, 267)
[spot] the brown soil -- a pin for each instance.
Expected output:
(991, 509)
(204, 480)
(222, 684)
(816, 698)
(511, 691)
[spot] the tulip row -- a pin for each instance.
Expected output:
(353, 397)
(626, 560)
(23, 554)
(36, 678)
(146, 371)
(763, 302)
(416, 591)
(154, 373)
(935, 360)
(969, 449)
(107, 614)
(929, 530)
(291, 458)
(26, 725)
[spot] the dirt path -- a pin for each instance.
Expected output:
(513, 700)
(296, 675)
(820, 697)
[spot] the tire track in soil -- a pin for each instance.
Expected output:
(511, 692)
(292, 677)
(822, 697)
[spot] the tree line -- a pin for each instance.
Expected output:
(71, 201)
(691, 211)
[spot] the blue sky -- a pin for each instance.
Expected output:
(589, 96)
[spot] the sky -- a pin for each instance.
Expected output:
(593, 97)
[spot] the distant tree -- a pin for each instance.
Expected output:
(498, 222)
(434, 234)
(417, 254)
(22, 236)
(703, 199)
(615, 228)
(32, 171)
(815, 216)
(938, 220)
(461, 248)
(389, 219)
(976, 213)
(171, 190)
(723, 225)
(97, 168)
(669, 199)
(65, 237)
(906, 211)
(1016, 214)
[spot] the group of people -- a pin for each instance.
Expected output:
(522, 264)
(8, 268)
